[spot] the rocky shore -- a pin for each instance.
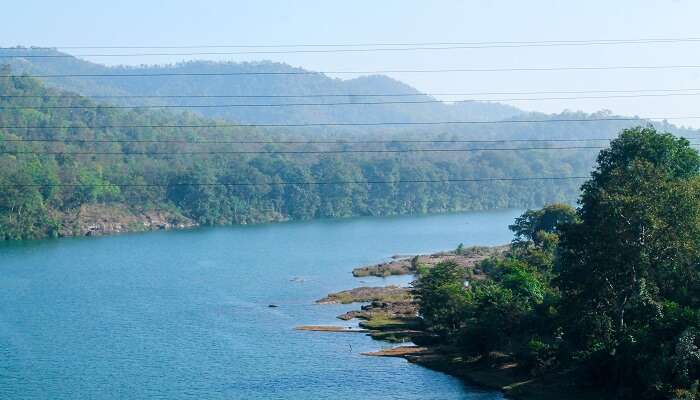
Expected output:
(330, 328)
(467, 257)
(102, 219)
(496, 372)
(390, 313)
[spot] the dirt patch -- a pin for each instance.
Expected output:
(107, 219)
(368, 294)
(327, 328)
(401, 265)
(401, 351)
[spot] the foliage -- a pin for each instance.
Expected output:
(534, 225)
(612, 291)
(634, 254)
(231, 188)
(443, 295)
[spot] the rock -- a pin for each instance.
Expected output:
(367, 294)
(468, 258)
(399, 309)
(326, 328)
(105, 219)
(401, 351)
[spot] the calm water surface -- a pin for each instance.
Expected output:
(184, 315)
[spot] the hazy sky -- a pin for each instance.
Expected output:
(186, 22)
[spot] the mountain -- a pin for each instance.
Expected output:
(304, 83)
(73, 165)
(577, 124)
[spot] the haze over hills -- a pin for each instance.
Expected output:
(104, 175)
(504, 194)
(256, 85)
(306, 84)
(78, 170)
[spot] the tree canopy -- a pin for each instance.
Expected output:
(43, 191)
(611, 291)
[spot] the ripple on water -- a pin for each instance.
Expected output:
(184, 315)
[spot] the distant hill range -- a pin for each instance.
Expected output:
(69, 166)
(307, 83)
(256, 85)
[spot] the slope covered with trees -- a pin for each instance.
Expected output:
(164, 168)
(607, 295)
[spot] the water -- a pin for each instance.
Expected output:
(184, 315)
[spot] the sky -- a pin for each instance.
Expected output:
(266, 22)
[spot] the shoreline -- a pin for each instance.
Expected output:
(112, 219)
(390, 314)
(501, 376)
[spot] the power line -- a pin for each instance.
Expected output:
(290, 152)
(217, 105)
(326, 124)
(471, 43)
(310, 183)
(337, 142)
(352, 103)
(321, 51)
(68, 96)
(374, 46)
(418, 71)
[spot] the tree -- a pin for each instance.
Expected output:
(529, 226)
(633, 255)
(610, 292)
(442, 295)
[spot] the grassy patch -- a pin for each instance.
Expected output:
(388, 294)
(384, 323)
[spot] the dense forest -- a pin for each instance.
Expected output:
(59, 155)
(606, 295)
(49, 172)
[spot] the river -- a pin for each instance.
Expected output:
(184, 314)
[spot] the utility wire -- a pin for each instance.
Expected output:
(338, 142)
(290, 152)
(386, 71)
(324, 124)
(352, 103)
(205, 96)
(321, 51)
(375, 44)
(296, 152)
(347, 49)
(311, 183)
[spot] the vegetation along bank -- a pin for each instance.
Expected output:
(599, 302)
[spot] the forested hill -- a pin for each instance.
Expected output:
(71, 166)
(255, 85)
(48, 194)
(304, 85)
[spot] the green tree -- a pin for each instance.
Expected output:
(530, 226)
(442, 295)
(635, 252)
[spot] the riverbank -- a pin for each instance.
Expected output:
(111, 219)
(497, 373)
(467, 257)
(391, 315)
(185, 313)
